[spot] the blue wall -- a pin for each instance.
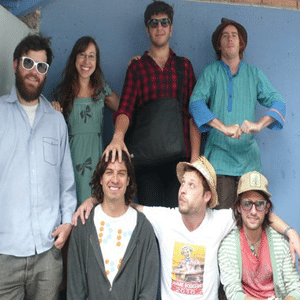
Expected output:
(273, 45)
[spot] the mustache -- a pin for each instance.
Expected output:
(32, 76)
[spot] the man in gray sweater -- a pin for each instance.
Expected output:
(115, 255)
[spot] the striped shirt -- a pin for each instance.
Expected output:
(285, 276)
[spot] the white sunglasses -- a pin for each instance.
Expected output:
(28, 64)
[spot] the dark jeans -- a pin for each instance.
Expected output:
(158, 185)
(227, 189)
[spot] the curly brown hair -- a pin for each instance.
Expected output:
(68, 89)
(97, 191)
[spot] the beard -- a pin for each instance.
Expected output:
(28, 92)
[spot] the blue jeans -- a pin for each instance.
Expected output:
(35, 277)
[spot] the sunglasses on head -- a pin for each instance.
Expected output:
(165, 22)
(260, 205)
(28, 64)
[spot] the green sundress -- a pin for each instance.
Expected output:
(85, 133)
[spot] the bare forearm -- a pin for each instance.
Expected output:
(112, 101)
(195, 137)
(265, 121)
(121, 126)
(277, 223)
(232, 131)
(217, 124)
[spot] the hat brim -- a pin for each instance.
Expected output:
(256, 189)
(180, 170)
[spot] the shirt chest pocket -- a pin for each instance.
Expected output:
(50, 147)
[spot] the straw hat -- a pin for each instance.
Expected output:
(253, 181)
(208, 172)
(225, 22)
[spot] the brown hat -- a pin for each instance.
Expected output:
(225, 22)
(208, 172)
(253, 181)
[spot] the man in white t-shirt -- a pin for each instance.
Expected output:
(193, 225)
(115, 254)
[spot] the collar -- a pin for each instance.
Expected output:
(172, 53)
(227, 68)
(44, 104)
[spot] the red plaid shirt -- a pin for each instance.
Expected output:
(145, 81)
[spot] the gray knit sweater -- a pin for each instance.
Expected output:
(136, 279)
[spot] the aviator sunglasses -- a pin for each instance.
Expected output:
(260, 205)
(28, 64)
(165, 22)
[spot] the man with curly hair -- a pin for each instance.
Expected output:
(116, 251)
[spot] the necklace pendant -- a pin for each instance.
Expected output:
(252, 248)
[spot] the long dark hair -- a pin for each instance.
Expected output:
(97, 190)
(69, 87)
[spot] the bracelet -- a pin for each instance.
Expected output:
(286, 230)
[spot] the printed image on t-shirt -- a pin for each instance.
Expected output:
(188, 269)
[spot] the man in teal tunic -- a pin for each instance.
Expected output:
(224, 101)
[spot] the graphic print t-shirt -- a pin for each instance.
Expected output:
(189, 259)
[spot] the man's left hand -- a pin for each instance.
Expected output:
(250, 127)
(61, 234)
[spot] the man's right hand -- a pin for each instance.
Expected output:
(234, 131)
(56, 105)
(116, 146)
(84, 210)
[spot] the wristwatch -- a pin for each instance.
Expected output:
(286, 230)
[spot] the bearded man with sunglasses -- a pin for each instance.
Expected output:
(37, 188)
(255, 261)
(151, 78)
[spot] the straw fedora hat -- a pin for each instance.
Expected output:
(208, 172)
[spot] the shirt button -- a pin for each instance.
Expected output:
(32, 171)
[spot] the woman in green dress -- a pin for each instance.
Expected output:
(81, 98)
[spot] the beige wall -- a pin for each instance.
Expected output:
(12, 30)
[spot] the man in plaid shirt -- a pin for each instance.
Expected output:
(149, 78)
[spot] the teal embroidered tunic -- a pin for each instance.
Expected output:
(233, 99)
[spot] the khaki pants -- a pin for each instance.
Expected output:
(35, 277)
